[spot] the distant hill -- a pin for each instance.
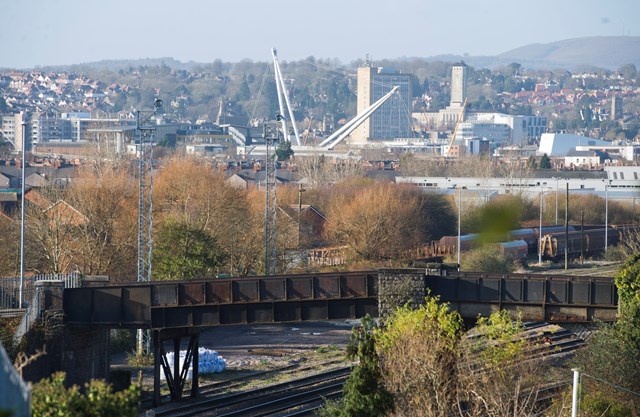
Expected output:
(609, 52)
(118, 64)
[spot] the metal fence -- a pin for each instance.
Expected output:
(10, 288)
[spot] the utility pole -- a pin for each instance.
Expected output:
(145, 127)
(271, 136)
(459, 222)
(556, 223)
(24, 163)
(606, 214)
(300, 191)
(542, 184)
(581, 237)
(566, 230)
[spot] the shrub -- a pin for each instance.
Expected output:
(50, 397)
(486, 259)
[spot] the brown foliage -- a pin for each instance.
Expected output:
(190, 190)
(378, 221)
(107, 200)
(51, 233)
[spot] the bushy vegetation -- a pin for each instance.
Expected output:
(364, 396)
(426, 339)
(486, 258)
(611, 360)
(424, 362)
(50, 397)
(203, 226)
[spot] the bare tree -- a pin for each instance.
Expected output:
(321, 171)
(51, 226)
(378, 222)
(499, 375)
(106, 196)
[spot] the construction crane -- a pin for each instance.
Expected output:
(455, 130)
(282, 92)
(306, 133)
(340, 134)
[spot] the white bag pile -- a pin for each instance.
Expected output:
(208, 362)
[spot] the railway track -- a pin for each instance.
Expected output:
(299, 395)
(304, 396)
(255, 378)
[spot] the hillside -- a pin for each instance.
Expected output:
(608, 52)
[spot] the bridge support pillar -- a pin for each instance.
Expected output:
(177, 376)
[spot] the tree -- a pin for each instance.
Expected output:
(378, 222)
(419, 351)
(182, 252)
(10, 251)
(628, 281)
(106, 197)
(364, 395)
(545, 162)
(284, 151)
(320, 171)
(611, 359)
(498, 375)
(628, 71)
(188, 190)
(51, 230)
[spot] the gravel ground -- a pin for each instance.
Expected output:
(264, 346)
(245, 346)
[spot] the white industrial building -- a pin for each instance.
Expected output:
(559, 144)
(621, 184)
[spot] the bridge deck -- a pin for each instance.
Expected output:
(289, 298)
(162, 305)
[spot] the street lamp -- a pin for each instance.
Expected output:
(540, 230)
(459, 219)
(554, 178)
(24, 164)
(607, 183)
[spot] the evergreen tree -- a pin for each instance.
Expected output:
(545, 162)
(364, 393)
(284, 151)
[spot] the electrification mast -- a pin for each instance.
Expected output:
(271, 136)
(145, 127)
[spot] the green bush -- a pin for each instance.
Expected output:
(486, 259)
(50, 397)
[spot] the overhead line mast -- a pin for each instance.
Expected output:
(145, 127)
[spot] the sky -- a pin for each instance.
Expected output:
(62, 32)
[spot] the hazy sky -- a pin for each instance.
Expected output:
(54, 32)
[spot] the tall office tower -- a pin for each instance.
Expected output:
(458, 85)
(616, 108)
(393, 119)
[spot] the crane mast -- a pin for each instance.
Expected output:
(455, 129)
(282, 92)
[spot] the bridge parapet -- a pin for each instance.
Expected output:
(550, 298)
(214, 302)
